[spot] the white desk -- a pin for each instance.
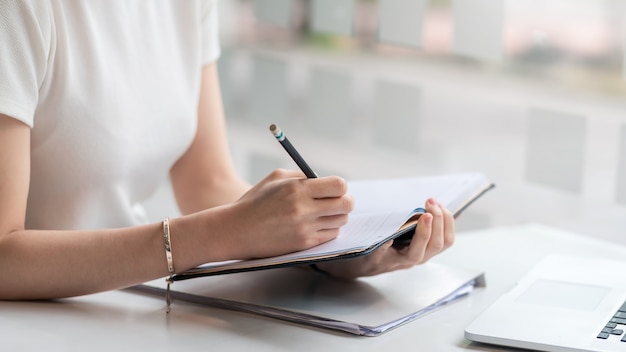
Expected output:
(121, 321)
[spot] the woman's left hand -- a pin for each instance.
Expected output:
(434, 234)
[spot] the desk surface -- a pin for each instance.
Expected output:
(121, 320)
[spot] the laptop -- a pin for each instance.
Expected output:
(565, 303)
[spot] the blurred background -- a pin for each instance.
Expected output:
(530, 92)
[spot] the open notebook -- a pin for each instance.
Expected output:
(384, 210)
(368, 306)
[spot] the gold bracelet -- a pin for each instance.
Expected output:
(170, 261)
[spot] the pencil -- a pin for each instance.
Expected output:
(293, 153)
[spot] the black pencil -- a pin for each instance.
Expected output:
(293, 153)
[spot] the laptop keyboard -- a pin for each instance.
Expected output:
(611, 328)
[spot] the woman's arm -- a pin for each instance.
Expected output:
(48, 264)
(205, 176)
(42, 264)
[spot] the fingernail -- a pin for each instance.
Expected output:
(432, 201)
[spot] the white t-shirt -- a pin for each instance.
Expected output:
(110, 89)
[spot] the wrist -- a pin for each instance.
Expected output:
(200, 238)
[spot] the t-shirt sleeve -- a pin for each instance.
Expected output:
(25, 46)
(210, 32)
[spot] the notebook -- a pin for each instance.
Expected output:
(368, 306)
(384, 210)
(564, 303)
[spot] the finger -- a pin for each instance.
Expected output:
(417, 248)
(281, 174)
(448, 228)
(332, 222)
(333, 206)
(325, 235)
(436, 242)
(327, 187)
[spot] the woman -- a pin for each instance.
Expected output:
(100, 101)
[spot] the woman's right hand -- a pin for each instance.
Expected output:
(286, 212)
